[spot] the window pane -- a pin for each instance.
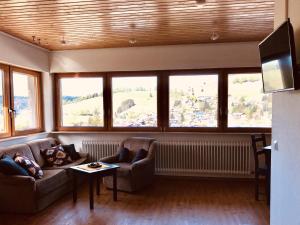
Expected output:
(82, 101)
(134, 101)
(2, 119)
(248, 106)
(25, 101)
(193, 101)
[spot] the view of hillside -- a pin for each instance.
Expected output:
(134, 102)
(247, 105)
(193, 103)
(22, 116)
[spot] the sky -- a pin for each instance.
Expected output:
(202, 84)
(149, 82)
(81, 86)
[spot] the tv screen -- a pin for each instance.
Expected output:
(277, 54)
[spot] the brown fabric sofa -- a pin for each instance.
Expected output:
(135, 176)
(24, 194)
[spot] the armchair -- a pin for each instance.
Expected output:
(133, 176)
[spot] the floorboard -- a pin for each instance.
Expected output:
(167, 202)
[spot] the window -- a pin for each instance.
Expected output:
(193, 101)
(20, 101)
(248, 106)
(81, 101)
(4, 116)
(134, 101)
(26, 101)
(2, 119)
(224, 100)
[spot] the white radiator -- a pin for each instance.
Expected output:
(98, 149)
(189, 158)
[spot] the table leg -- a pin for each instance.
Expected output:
(98, 185)
(115, 185)
(91, 184)
(74, 187)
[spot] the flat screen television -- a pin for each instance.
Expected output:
(278, 60)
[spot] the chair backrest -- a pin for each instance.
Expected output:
(136, 143)
(256, 140)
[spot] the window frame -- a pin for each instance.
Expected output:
(194, 73)
(225, 102)
(163, 86)
(110, 76)
(6, 101)
(58, 108)
(39, 101)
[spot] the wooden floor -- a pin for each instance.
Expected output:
(168, 201)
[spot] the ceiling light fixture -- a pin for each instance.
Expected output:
(215, 36)
(132, 41)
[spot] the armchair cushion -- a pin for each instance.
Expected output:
(9, 167)
(124, 155)
(141, 154)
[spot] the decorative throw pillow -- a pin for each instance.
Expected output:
(141, 154)
(9, 167)
(29, 165)
(124, 155)
(70, 149)
(56, 156)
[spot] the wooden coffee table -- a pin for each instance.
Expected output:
(95, 173)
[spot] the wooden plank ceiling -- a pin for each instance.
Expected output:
(80, 24)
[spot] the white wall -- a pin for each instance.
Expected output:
(221, 55)
(285, 187)
(19, 53)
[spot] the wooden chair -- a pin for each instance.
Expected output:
(260, 170)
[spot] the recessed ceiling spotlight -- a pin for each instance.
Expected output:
(215, 36)
(132, 41)
(200, 3)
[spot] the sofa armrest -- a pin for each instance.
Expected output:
(110, 159)
(18, 194)
(17, 180)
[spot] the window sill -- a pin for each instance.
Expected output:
(24, 138)
(151, 132)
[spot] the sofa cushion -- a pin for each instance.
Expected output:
(9, 167)
(29, 165)
(67, 166)
(23, 149)
(70, 149)
(124, 169)
(56, 156)
(52, 180)
(37, 145)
